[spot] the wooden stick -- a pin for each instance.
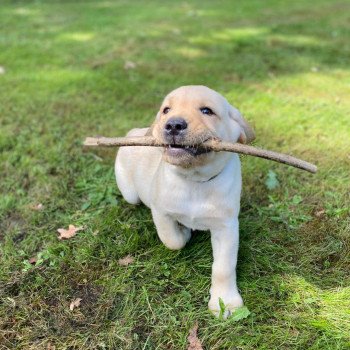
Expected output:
(214, 145)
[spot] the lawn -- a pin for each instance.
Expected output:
(71, 69)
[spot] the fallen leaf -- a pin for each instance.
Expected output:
(71, 232)
(95, 233)
(294, 332)
(129, 65)
(320, 213)
(2, 70)
(126, 260)
(12, 301)
(33, 260)
(50, 346)
(37, 207)
(75, 303)
(193, 342)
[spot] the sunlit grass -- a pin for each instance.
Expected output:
(79, 36)
(189, 52)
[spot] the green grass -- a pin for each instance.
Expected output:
(284, 65)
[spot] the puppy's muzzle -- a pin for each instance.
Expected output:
(175, 130)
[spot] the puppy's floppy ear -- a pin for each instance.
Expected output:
(150, 129)
(247, 133)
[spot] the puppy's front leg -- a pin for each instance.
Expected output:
(173, 235)
(225, 249)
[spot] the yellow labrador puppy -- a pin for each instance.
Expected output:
(188, 188)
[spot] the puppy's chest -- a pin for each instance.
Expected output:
(196, 207)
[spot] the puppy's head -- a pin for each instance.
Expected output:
(191, 115)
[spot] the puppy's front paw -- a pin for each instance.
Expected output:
(178, 240)
(224, 307)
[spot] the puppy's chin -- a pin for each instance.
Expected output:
(187, 157)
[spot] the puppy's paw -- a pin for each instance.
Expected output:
(178, 241)
(224, 307)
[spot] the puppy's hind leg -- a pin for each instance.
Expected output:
(125, 167)
(125, 182)
(173, 235)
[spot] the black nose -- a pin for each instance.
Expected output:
(175, 126)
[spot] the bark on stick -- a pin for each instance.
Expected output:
(214, 145)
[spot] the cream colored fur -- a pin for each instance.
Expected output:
(186, 192)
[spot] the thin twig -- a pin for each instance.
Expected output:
(213, 145)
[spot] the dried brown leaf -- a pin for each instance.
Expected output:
(129, 65)
(320, 213)
(71, 232)
(37, 207)
(193, 342)
(75, 303)
(33, 260)
(126, 260)
(50, 346)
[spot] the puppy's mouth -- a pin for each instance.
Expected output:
(177, 150)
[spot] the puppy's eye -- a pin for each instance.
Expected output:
(207, 111)
(166, 110)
